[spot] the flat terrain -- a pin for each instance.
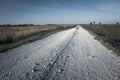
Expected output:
(15, 35)
(11, 33)
(71, 54)
(108, 34)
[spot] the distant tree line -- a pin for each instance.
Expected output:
(93, 23)
(17, 25)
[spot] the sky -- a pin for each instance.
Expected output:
(59, 11)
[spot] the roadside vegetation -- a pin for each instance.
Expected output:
(109, 34)
(15, 35)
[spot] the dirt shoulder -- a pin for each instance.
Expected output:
(27, 39)
(109, 42)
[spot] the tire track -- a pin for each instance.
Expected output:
(46, 74)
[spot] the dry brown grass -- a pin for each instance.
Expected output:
(11, 33)
(110, 33)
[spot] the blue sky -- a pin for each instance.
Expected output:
(59, 11)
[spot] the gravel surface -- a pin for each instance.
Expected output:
(71, 54)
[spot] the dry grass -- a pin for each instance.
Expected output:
(12, 36)
(109, 33)
(12, 33)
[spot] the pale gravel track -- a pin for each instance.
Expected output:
(71, 54)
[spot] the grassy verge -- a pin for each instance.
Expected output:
(108, 34)
(8, 43)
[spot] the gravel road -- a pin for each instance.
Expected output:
(71, 54)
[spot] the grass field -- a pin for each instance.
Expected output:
(13, 36)
(11, 33)
(108, 32)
